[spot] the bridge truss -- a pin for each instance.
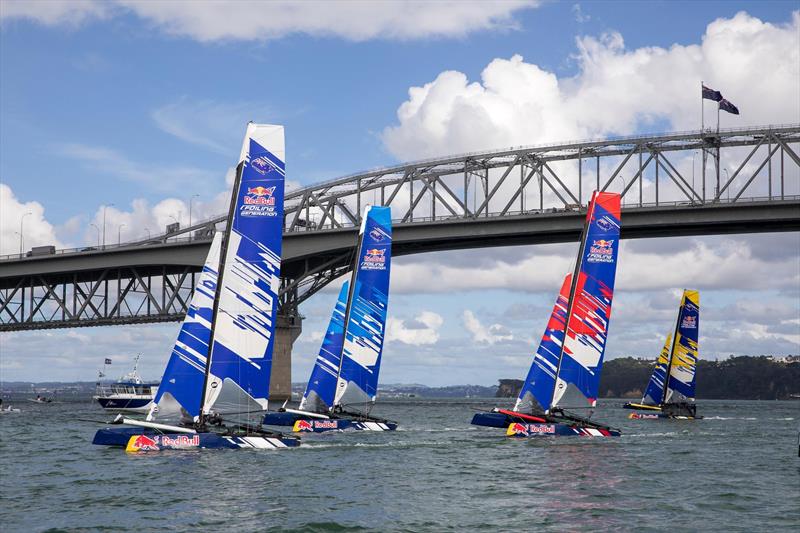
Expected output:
(696, 169)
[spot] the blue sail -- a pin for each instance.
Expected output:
(244, 322)
(537, 391)
(322, 384)
(182, 383)
(366, 320)
(655, 387)
(683, 366)
(578, 376)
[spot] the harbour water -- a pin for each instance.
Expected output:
(736, 470)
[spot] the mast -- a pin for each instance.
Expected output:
(672, 350)
(348, 307)
(572, 288)
(223, 252)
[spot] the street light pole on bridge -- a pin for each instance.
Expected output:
(21, 220)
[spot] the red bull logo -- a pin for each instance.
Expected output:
(374, 259)
(601, 251)
(260, 195)
(142, 443)
(517, 429)
(689, 322)
(181, 441)
(303, 425)
(375, 255)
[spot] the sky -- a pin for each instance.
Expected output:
(134, 108)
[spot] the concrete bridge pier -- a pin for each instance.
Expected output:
(287, 329)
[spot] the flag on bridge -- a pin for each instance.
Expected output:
(711, 94)
(108, 361)
(725, 105)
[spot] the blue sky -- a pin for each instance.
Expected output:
(107, 103)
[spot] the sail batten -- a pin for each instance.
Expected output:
(243, 325)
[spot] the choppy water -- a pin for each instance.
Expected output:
(736, 470)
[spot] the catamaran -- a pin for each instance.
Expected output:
(565, 374)
(215, 387)
(344, 381)
(674, 397)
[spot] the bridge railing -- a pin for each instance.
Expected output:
(167, 239)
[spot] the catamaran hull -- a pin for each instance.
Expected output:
(648, 416)
(144, 440)
(280, 419)
(641, 407)
(341, 424)
(502, 418)
(558, 430)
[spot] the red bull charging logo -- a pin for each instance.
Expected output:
(142, 443)
(303, 425)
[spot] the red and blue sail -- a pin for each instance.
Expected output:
(244, 321)
(322, 384)
(181, 385)
(589, 313)
(357, 383)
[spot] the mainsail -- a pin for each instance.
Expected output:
(589, 311)
(180, 389)
(655, 387)
(683, 364)
(537, 391)
(322, 384)
(365, 320)
(243, 326)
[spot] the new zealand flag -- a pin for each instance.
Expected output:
(725, 105)
(711, 94)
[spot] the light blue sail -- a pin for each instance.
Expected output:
(322, 384)
(182, 383)
(244, 323)
(366, 322)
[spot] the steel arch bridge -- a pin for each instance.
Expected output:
(690, 183)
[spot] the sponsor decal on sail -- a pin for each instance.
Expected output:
(689, 322)
(258, 202)
(262, 165)
(374, 259)
(601, 251)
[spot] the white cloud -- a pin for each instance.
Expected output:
(580, 16)
(488, 335)
(36, 230)
(54, 12)
(422, 329)
(160, 177)
(353, 20)
(214, 125)
(615, 91)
